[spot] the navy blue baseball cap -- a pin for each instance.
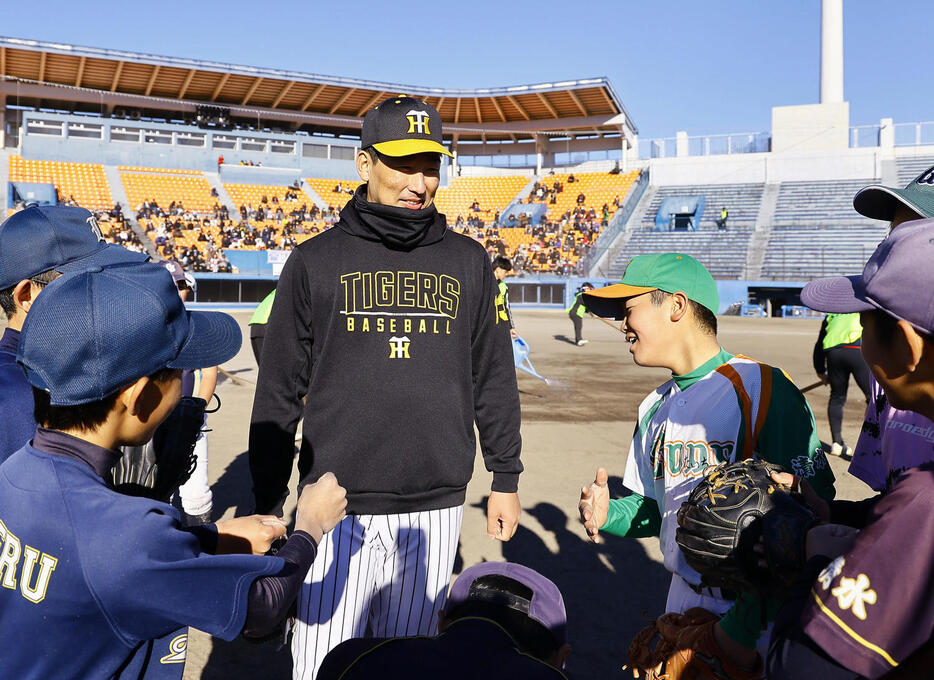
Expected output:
(93, 332)
(63, 238)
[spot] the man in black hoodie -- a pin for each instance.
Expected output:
(387, 325)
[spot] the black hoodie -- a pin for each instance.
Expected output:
(387, 323)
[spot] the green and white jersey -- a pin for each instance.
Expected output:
(728, 409)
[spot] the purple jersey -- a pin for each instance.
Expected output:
(871, 608)
(890, 442)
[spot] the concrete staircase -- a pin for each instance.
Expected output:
(118, 191)
(313, 195)
(602, 266)
(214, 179)
(759, 241)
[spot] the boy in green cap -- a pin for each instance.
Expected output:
(717, 407)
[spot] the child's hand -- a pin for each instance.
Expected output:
(253, 534)
(594, 505)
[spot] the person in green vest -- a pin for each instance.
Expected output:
(837, 356)
(724, 214)
(577, 311)
(258, 324)
(502, 267)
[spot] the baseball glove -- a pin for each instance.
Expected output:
(156, 469)
(683, 647)
(727, 513)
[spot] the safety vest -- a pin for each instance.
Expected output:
(261, 315)
(578, 308)
(842, 329)
(501, 301)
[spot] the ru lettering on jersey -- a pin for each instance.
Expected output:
(688, 459)
(401, 305)
(18, 567)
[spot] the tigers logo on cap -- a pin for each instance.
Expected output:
(418, 122)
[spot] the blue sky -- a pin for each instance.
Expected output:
(704, 67)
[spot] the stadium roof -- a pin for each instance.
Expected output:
(585, 106)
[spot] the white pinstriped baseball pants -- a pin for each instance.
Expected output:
(375, 576)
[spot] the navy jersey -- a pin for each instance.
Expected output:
(871, 608)
(89, 576)
(16, 406)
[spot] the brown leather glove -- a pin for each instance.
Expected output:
(683, 647)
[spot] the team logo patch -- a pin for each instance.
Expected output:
(399, 347)
(95, 228)
(178, 650)
(418, 122)
(926, 178)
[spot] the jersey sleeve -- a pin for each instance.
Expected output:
(640, 475)
(789, 436)
(496, 392)
(150, 578)
(868, 461)
(872, 607)
(282, 383)
(634, 516)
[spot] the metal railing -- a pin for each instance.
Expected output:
(617, 224)
(707, 145)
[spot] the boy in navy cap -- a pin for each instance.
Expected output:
(92, 577)
(864, 608)
(37, 245)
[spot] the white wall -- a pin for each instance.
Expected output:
(767, 168)
(811, 127)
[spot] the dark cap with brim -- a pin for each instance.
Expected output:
(403, 126)
(60, 238)
(898, 279)
(880, 203)
(93, 332)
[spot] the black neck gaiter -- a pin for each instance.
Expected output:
(400, 228)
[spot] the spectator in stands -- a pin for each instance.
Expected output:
(571, 178)
(581, 198)
(724, 214)
(501, 620)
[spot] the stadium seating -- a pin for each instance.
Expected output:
(911, 167)
(804, 253)
(85, 182)
(166, 186)
(599, 189)
(492, 193)
(325, 189)
(723, 253)
(818, 203)
(741, 200)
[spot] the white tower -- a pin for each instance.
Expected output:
(831, 52)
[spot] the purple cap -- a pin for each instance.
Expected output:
(63, 238)
(898, 279)
(546, 606)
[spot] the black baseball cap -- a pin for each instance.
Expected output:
(403, 126)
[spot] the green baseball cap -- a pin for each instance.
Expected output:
(879, 202)
(668, 272)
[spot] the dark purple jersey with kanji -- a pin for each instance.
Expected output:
(871, 608)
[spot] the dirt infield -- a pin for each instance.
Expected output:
(582, 419)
